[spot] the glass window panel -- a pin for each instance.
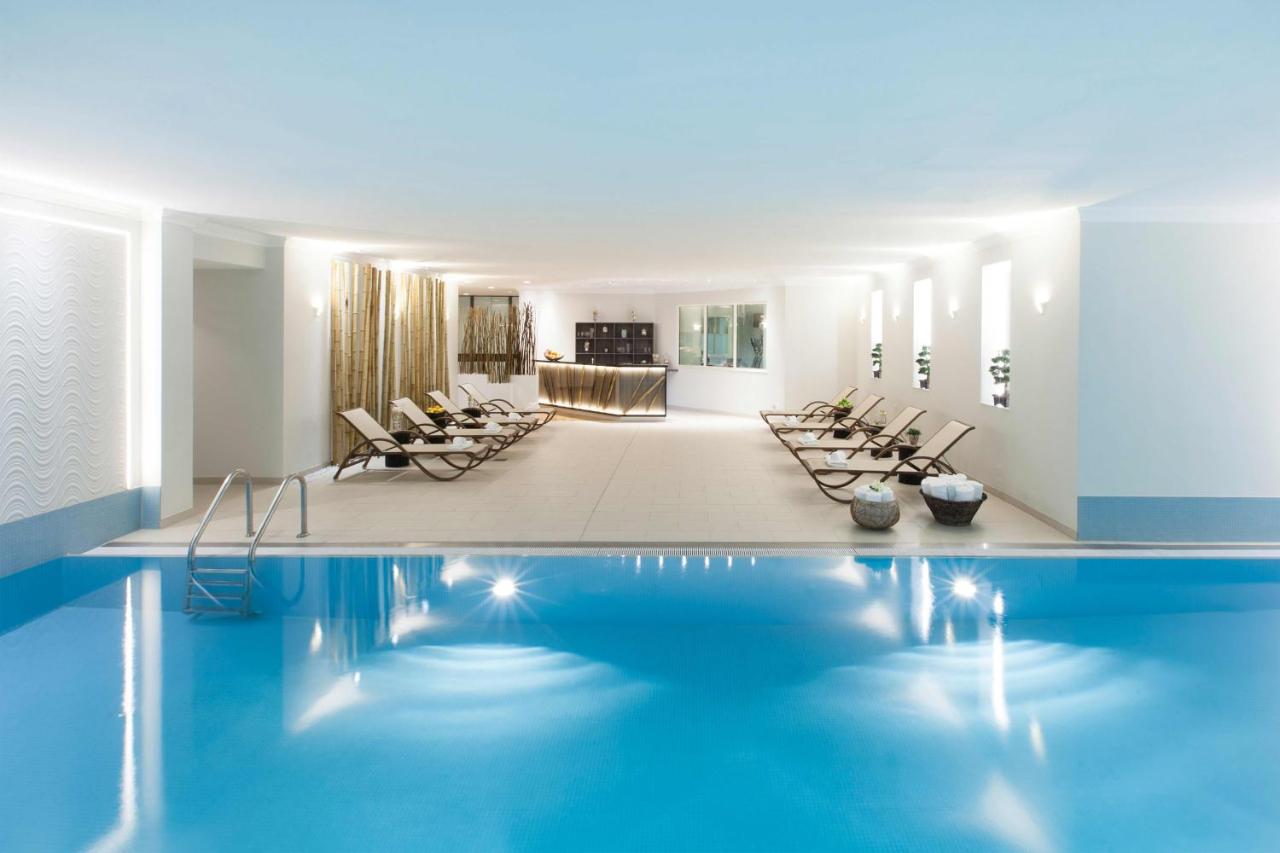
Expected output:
(691, 334)
(750, 336)
(719, 335)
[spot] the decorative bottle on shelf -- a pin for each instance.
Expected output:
(881, 418)
(586, 347)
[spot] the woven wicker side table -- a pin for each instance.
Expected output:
(875, 516)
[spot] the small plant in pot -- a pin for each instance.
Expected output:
(877, 356)
(842, 407)
(924, 362)
(913, 437)
(999, 370)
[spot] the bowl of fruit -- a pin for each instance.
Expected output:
(552, 355)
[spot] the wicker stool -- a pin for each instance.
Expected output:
(953, 513)
(875, 516)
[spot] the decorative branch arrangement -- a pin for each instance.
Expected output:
(877, 356)
(498, 343)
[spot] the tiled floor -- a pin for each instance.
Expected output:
(693, 478)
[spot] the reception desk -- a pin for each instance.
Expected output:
(625, 391)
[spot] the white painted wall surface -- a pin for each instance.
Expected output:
(811, 337)
(64, 361)
(1179, 324)
(239, 369)
(1029, 450)
(306, 417)
(176, 393)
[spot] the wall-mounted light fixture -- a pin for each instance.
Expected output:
(317, 305)
(1041, 297)
(953, 308)
(862, 318)
(897, 312)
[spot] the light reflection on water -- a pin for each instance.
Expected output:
(833, 692)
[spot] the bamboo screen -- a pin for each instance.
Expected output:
(387, 340)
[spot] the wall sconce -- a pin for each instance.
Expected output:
(862, 318)
(317, 306)
(953, 308)
(897, 312)
(1041, 297)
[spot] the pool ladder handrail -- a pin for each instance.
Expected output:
(204, 524)
(301, 480)
(247, 577)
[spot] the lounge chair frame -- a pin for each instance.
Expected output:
(369, 449)
(832, 481)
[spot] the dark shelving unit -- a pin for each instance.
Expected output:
(613, 343)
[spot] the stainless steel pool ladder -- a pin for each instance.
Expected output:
(229, 589)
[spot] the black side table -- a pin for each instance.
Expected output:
(441, 420)
(906, 452)
(399, 460)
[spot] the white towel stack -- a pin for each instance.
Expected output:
(492, 427)
(838, 459)
(952, 487)
(792, 420)
(808, 438)
(461, 442)
(882, 495)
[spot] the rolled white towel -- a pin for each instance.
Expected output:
(808, 438)
(492, 427)
(870, 494)
(461, 442)
(792, 420)
(838, 459)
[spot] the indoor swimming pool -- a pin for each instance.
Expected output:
(645, 703)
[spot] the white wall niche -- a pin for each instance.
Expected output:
(997, 283)
(876, 351)
(922, 333)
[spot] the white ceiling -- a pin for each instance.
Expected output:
(651, 145)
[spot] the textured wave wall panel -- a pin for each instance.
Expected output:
(63, 362)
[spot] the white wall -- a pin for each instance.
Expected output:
(1179, 325)
(813, 328)
(1027, 451)
(63, 358)
(307, 417)
(176, 374)
(239, 369)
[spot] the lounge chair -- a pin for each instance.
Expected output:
(426, 428)
(499, 406)
(523, 425)
(376, 441)
(831, 479)
(819, 407)
(862, 438)
(828, 423)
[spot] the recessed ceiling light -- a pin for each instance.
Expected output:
(491, 287)
(528, 282)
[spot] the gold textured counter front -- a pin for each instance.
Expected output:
(639, 391)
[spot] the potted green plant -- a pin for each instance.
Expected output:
(842, 407)
(877, 354)
(913, 437)
(999, 370)
(924, 362)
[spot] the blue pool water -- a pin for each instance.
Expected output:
(629, 703)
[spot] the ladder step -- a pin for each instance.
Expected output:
(207, 584)
(219, 570)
